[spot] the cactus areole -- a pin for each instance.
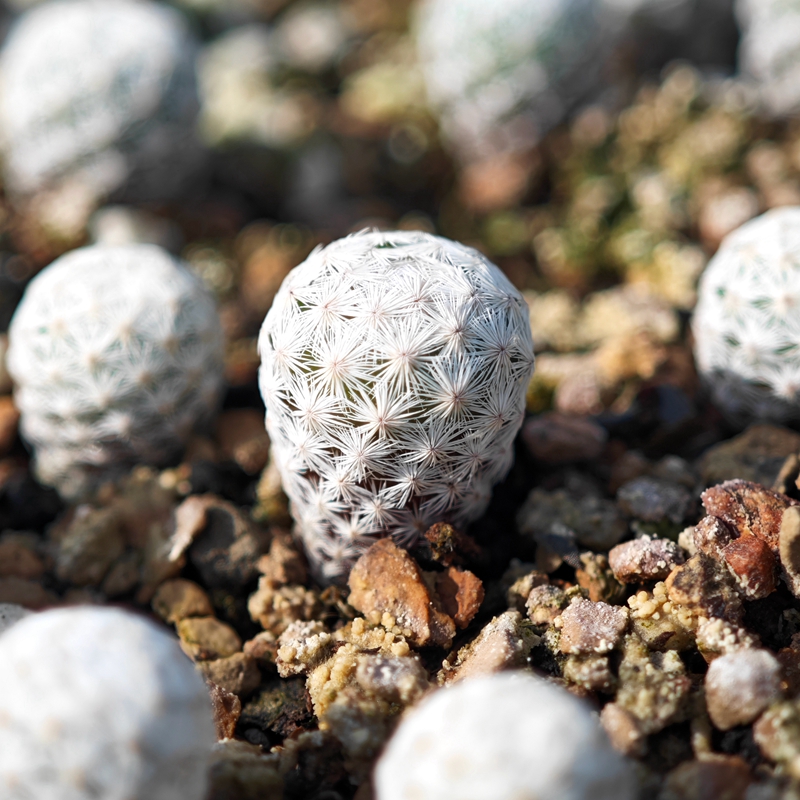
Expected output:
(394, 369)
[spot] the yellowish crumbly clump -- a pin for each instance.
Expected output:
(660, 623)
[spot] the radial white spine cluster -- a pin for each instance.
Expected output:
(503, 73)
(117, 355)
(101, 91)
(769, 51)
(747, 322)
(394, 370)
(100, 703)
(502, 737)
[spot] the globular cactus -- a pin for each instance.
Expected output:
(116, 354)
(769, 52)
(394, 370)
(747, 322)
(503, 73)
(99, 95)
(100, 703)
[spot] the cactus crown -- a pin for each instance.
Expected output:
(747, 322)
(394, 368)
(116, 353)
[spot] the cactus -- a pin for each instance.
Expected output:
(100, 702)
(100, 95)
(769, 52)
(116, 355)
(747, 322)
(394, 369)
(503, 73)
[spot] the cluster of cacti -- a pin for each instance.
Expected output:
(394, 370)
(747, 322)
(503, 73)
(116, 354)
(100, 703)
(769, 52)
(99, 94)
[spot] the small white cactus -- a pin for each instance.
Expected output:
(99, 702)
(503, 73)
(99, 93)
(116, 354)
(747, 322)
(394, 370)
(502, 737)
(769, 52)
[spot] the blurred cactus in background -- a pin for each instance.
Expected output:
(394, 369)
(98, 98)
(747, 326)
(116, 354)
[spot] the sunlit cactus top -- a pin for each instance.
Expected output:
(116, 355)
(747, 322)
(394, 369)
(503, 73)
(101, 91)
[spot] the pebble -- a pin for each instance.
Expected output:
(10, 613)
(644, 559)
(556, 438)
(243, 438)
(721, 778)
(206, 638)
(705, 588)
(460, 593)
(789, 546)
(179, 599)
(776, 734)
(30, 594)
(756, 455)
(588, 627)
(9, 421)
(545, 604)
(18, 556)
(237, 673)
(654, 500)
(623, 730)
(503, 644)
(284, 563)
(741, 685)
(227, 709)
(386, 580)
(241, 769)
(502, 737)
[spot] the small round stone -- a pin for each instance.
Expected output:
(99, 702)
(740, 686)
(502, 737)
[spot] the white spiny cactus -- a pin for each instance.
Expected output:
(769, 52)
(116, 354)
(394, 370)
(747, 322)
(503, 73)
(100, 703)
(98, 92)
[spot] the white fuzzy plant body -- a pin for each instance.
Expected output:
(769, 51)
(503, 73)
(394, 370)
(117, 355)
(100, 703)
(100, 92)
(747, 322)
(502, 737)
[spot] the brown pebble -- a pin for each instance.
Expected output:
(720, 778)
(124, 574)
(9, 420)
(18, 559)
(558, 438)
(29, 594)
(741, 685)
(777, 734)
(644, 559)
(237, 673)
(752, 562)
(284, 563)
(789, 542)
(624, 730)
(588, 627)
(460, 593)
(386, 580)
(710, 536)
(89, 545)
(545, 604)
(242, 438)
(179, 599)
(204, 638)
(706, 587)
(748, 508)
(227, 709)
